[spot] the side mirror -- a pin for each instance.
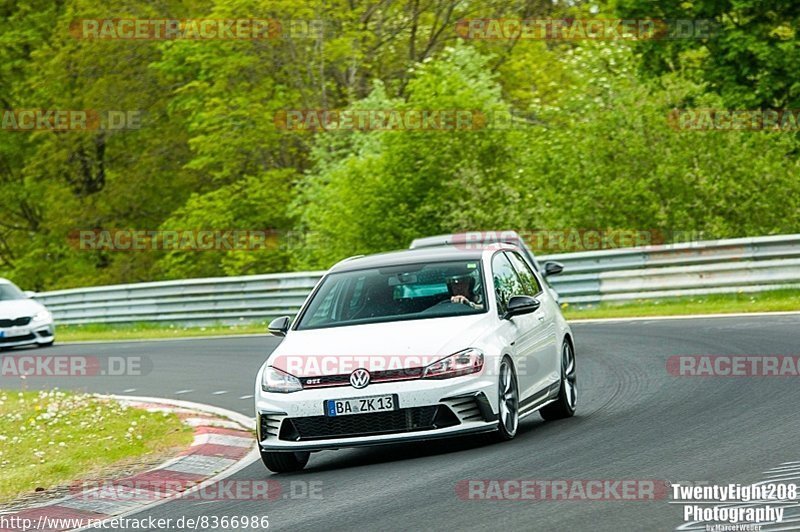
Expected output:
(552, 268)
(279, 326)
(29, 294)
(519, 305)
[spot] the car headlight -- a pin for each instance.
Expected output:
(461, 363)
(275, 380)
(42, 315)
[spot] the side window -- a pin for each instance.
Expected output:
(506, 282)
(530, 285)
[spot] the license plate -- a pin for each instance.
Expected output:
(13, 332)
(360, 405)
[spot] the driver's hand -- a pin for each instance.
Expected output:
(459, 299)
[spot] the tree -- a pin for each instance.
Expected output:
(750, 57)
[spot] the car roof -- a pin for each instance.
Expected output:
(415, 256)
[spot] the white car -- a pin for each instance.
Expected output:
(414, 345)
(23, 321)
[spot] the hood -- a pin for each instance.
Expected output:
(19, 308)
(375, 346)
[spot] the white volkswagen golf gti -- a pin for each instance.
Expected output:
(414, 345)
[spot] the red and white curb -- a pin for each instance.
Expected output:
(223, 444)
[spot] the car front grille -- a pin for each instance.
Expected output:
(374, 423)
(15, 323)
(15, 339)
(391, 375)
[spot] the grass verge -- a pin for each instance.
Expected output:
(49, 438)
(149, 331)
(771, 301)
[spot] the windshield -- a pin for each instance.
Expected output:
(9, 291)
(411, 291)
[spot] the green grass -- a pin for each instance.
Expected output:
(50, 438)
(138, 331)
(772, 301)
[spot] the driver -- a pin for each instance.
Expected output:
(462, 290)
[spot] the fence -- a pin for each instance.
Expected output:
(744, 264)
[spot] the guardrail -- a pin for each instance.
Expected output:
(227, 300)
(693, 268)
(743, 264)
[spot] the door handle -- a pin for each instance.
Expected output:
(540, 318)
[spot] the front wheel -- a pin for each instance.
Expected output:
(508, 407)
(284, 462)
(564, 405)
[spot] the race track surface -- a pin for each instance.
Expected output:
(634, 421)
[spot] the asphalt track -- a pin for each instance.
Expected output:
(634, 421)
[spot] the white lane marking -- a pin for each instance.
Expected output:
(785, 476)
(784, 467)
(222, 439)
(220, 392)
(129, 390)
(246, 422)
(181, 392)
(205, 422)
(246, 397)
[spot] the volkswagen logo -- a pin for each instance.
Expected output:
(359, 378)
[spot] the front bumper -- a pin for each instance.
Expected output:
(35, 333)
(428, 409)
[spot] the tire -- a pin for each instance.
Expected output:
(508, 405)
(285, 462)
(564, 405)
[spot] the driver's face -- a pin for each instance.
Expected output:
(460, 287)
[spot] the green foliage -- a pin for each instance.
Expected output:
(607, 158)
(252, 204)
(380, 189)
(751, 57)
(589, 147)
